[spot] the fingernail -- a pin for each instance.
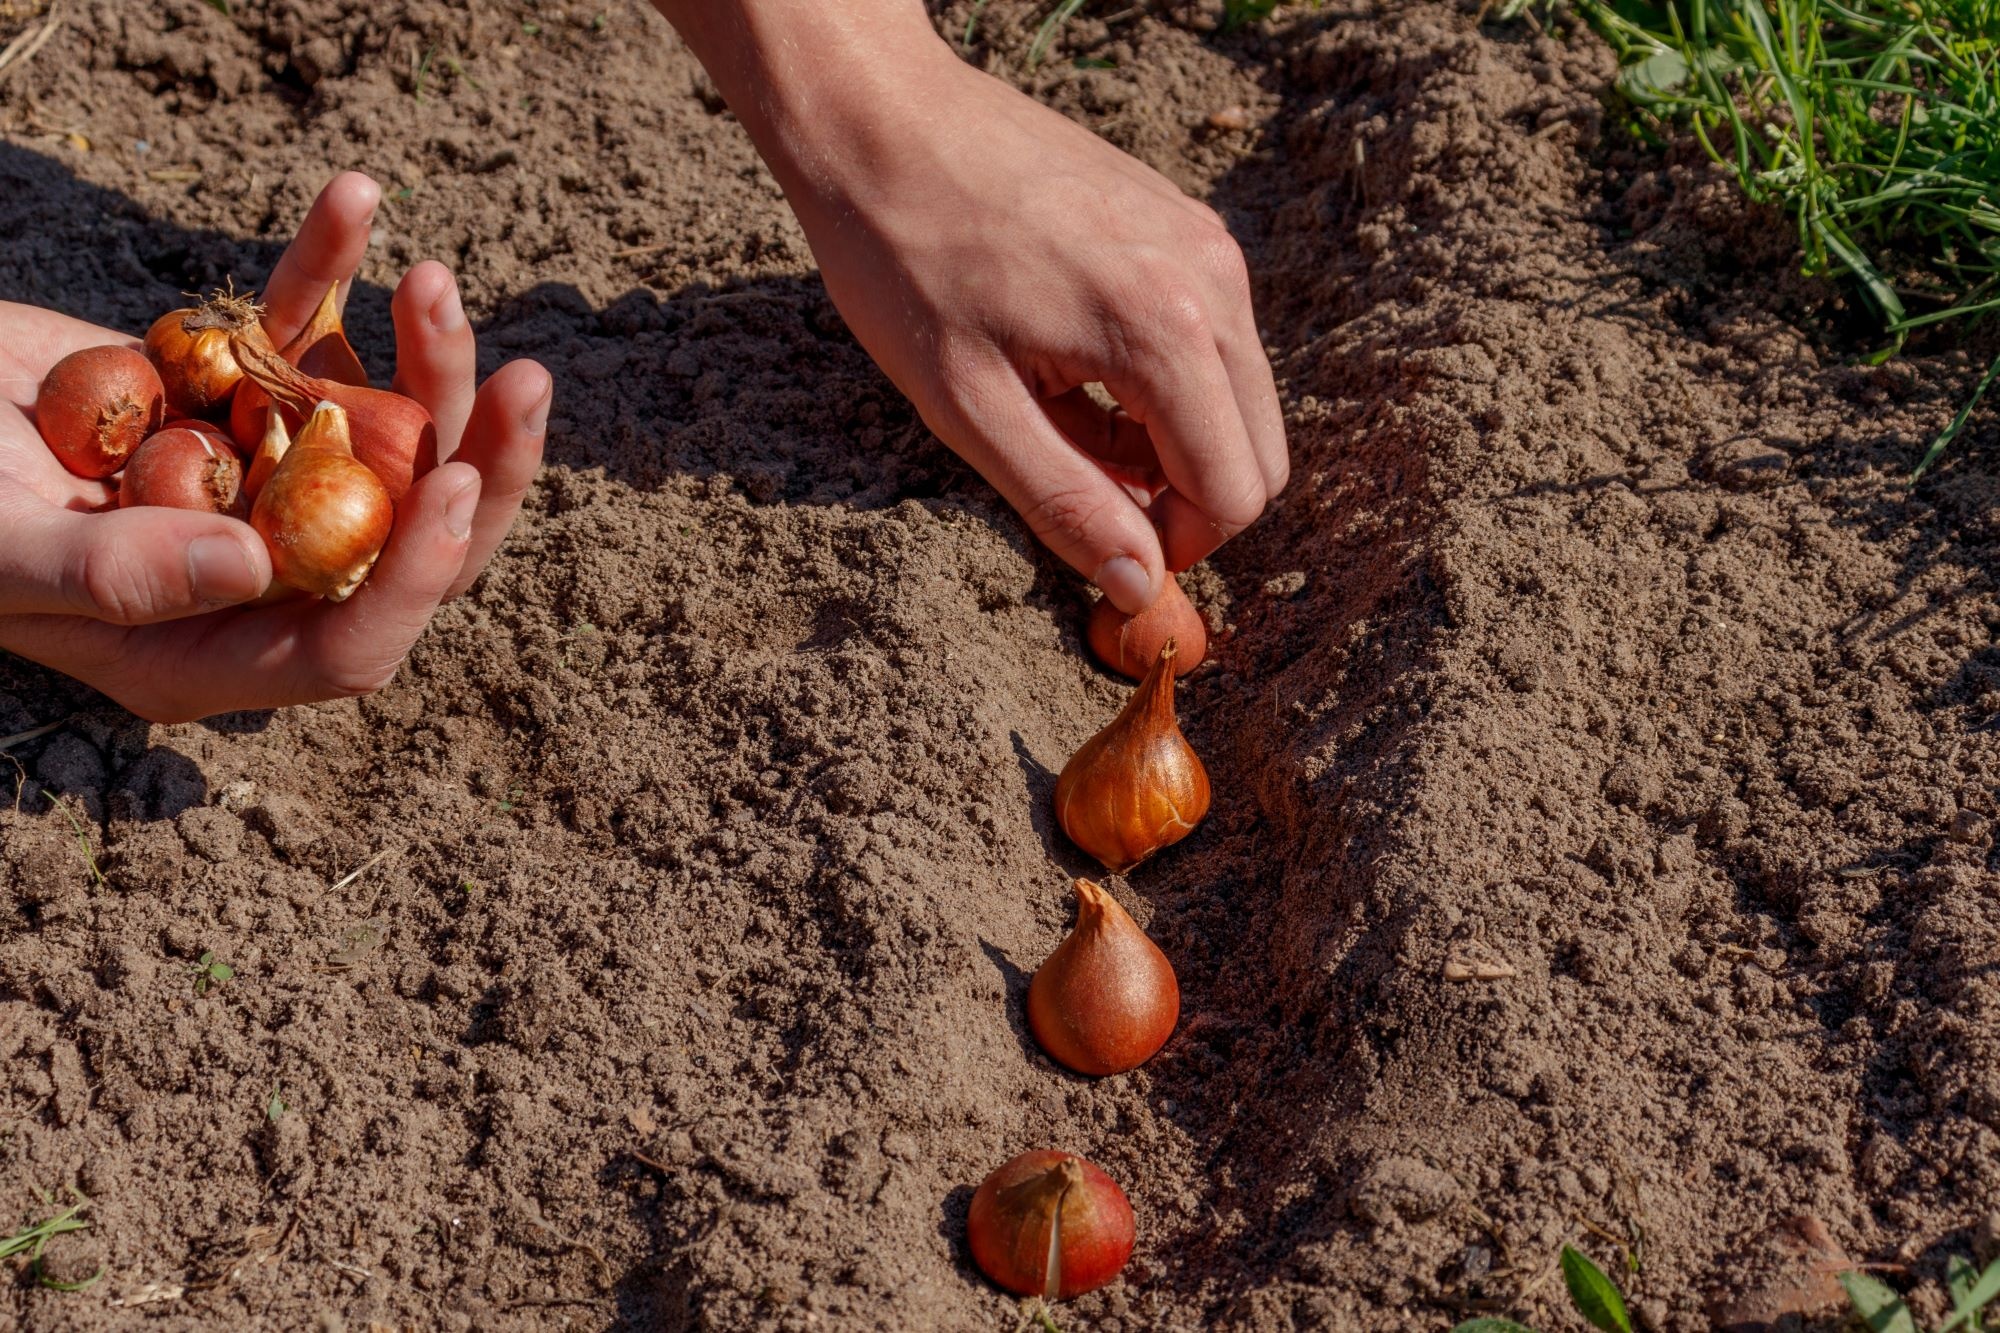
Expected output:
(459, 508)
(1124, 581)
(537, 419)
(447, 315)
(220, 570)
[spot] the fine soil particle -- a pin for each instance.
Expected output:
(1601, 728)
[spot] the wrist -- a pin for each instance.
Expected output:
(826, 91)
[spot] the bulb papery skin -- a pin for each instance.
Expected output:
(191, 350)
(320, 350)
(96, 406)
(1137, 785)
(324, 516)
(1129, 645)
(1106, 1000)
(393, 435)
(185, 469)
(207, 429)
(270, 452)
(1015, 1210)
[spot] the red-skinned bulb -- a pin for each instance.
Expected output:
(1049, 1224)
(96, 406)
(1106, 1000)
(320, 350)
(393, 434)
(1130, 645)
(185, 469)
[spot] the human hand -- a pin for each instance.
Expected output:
(127, 600)
(993, 257)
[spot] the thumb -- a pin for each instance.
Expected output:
(1073, 505)
(132, 566)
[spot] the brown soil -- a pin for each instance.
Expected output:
(652, 952)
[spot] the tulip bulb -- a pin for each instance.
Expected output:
(320, 349)
(270, 452)
(1137, 785)
(191, 350)
(324, 516)
(1129, 644)
(180, 468)
(392, 434)
(96, 406)
(1106, 999)
(1049, 1224)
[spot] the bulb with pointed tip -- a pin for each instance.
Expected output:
(324, 516)
(1049, 1224)
(1106, 1000)
(393, 435)
(1137, 785)
(320, 349)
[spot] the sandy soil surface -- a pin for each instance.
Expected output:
(652, 952)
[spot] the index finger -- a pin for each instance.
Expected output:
(326, 250)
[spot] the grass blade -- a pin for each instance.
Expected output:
(1045, 35)
(1881, 1309)
(1957, 426)
(1970, 1294)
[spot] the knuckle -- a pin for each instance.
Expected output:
(1179, 318)
(357, 680)
(1221, 258)
(1233, 510)
(113, 585)
(1065, 518)
(1205, 212)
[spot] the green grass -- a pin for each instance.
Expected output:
(31, 1240)
(82, 838)
(1873, 124)
(1235, 13)
(1875, 1304)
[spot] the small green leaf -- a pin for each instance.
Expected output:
(1594, 1294)
(1971, 1292)
(1236, 13)
(207, 957)
(1490, 1325)
(277, 1106)
(1879, 1307)
(1659, 74)
(1959, 1275)
(221, 971)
